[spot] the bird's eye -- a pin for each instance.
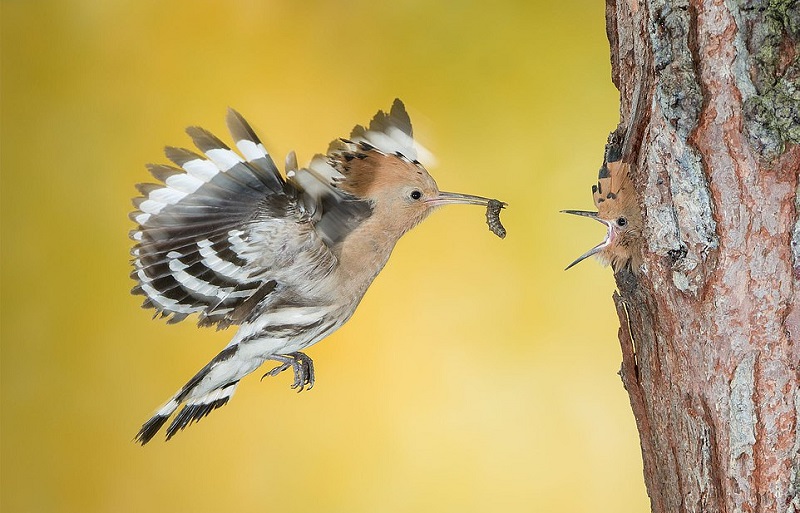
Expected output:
(415, 194)
(622, 222)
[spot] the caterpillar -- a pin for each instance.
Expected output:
(493, 208)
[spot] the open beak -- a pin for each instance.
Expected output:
(599, 247)
(454, 198)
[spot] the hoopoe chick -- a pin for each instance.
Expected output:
(617, 208)
(285, 260)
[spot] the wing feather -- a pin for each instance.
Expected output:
(212, 236)
(199, 233)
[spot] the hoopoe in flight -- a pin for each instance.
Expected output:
(285, 260)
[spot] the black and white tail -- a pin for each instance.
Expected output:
(199, 397)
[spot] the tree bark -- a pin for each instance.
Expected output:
(710, 322)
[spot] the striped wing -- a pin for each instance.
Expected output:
(210, 235)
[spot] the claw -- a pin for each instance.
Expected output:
(277, 370)
(301, 364)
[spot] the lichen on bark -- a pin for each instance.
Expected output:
(772, 113)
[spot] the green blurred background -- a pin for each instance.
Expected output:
(476, 376)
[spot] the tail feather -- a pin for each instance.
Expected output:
(192, 412)
(152, 426)
(199, 397)
(196, 410)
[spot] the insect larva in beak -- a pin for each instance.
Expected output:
(493, 217)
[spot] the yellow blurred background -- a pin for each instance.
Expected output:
(476, 375)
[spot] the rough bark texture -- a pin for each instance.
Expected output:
(710, 323)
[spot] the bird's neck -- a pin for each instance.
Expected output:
(363, 254)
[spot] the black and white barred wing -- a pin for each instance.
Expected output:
(210, 234)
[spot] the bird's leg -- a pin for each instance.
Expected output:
(301, 364)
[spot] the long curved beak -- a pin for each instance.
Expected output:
(454, 198)
(599, 247)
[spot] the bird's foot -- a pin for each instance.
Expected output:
(301, 364)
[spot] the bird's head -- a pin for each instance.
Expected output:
(618, 210)
(400, 191)
(379, 164)
(371, 177)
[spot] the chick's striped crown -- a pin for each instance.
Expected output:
(209, 230)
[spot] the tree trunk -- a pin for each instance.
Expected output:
(710, 322)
